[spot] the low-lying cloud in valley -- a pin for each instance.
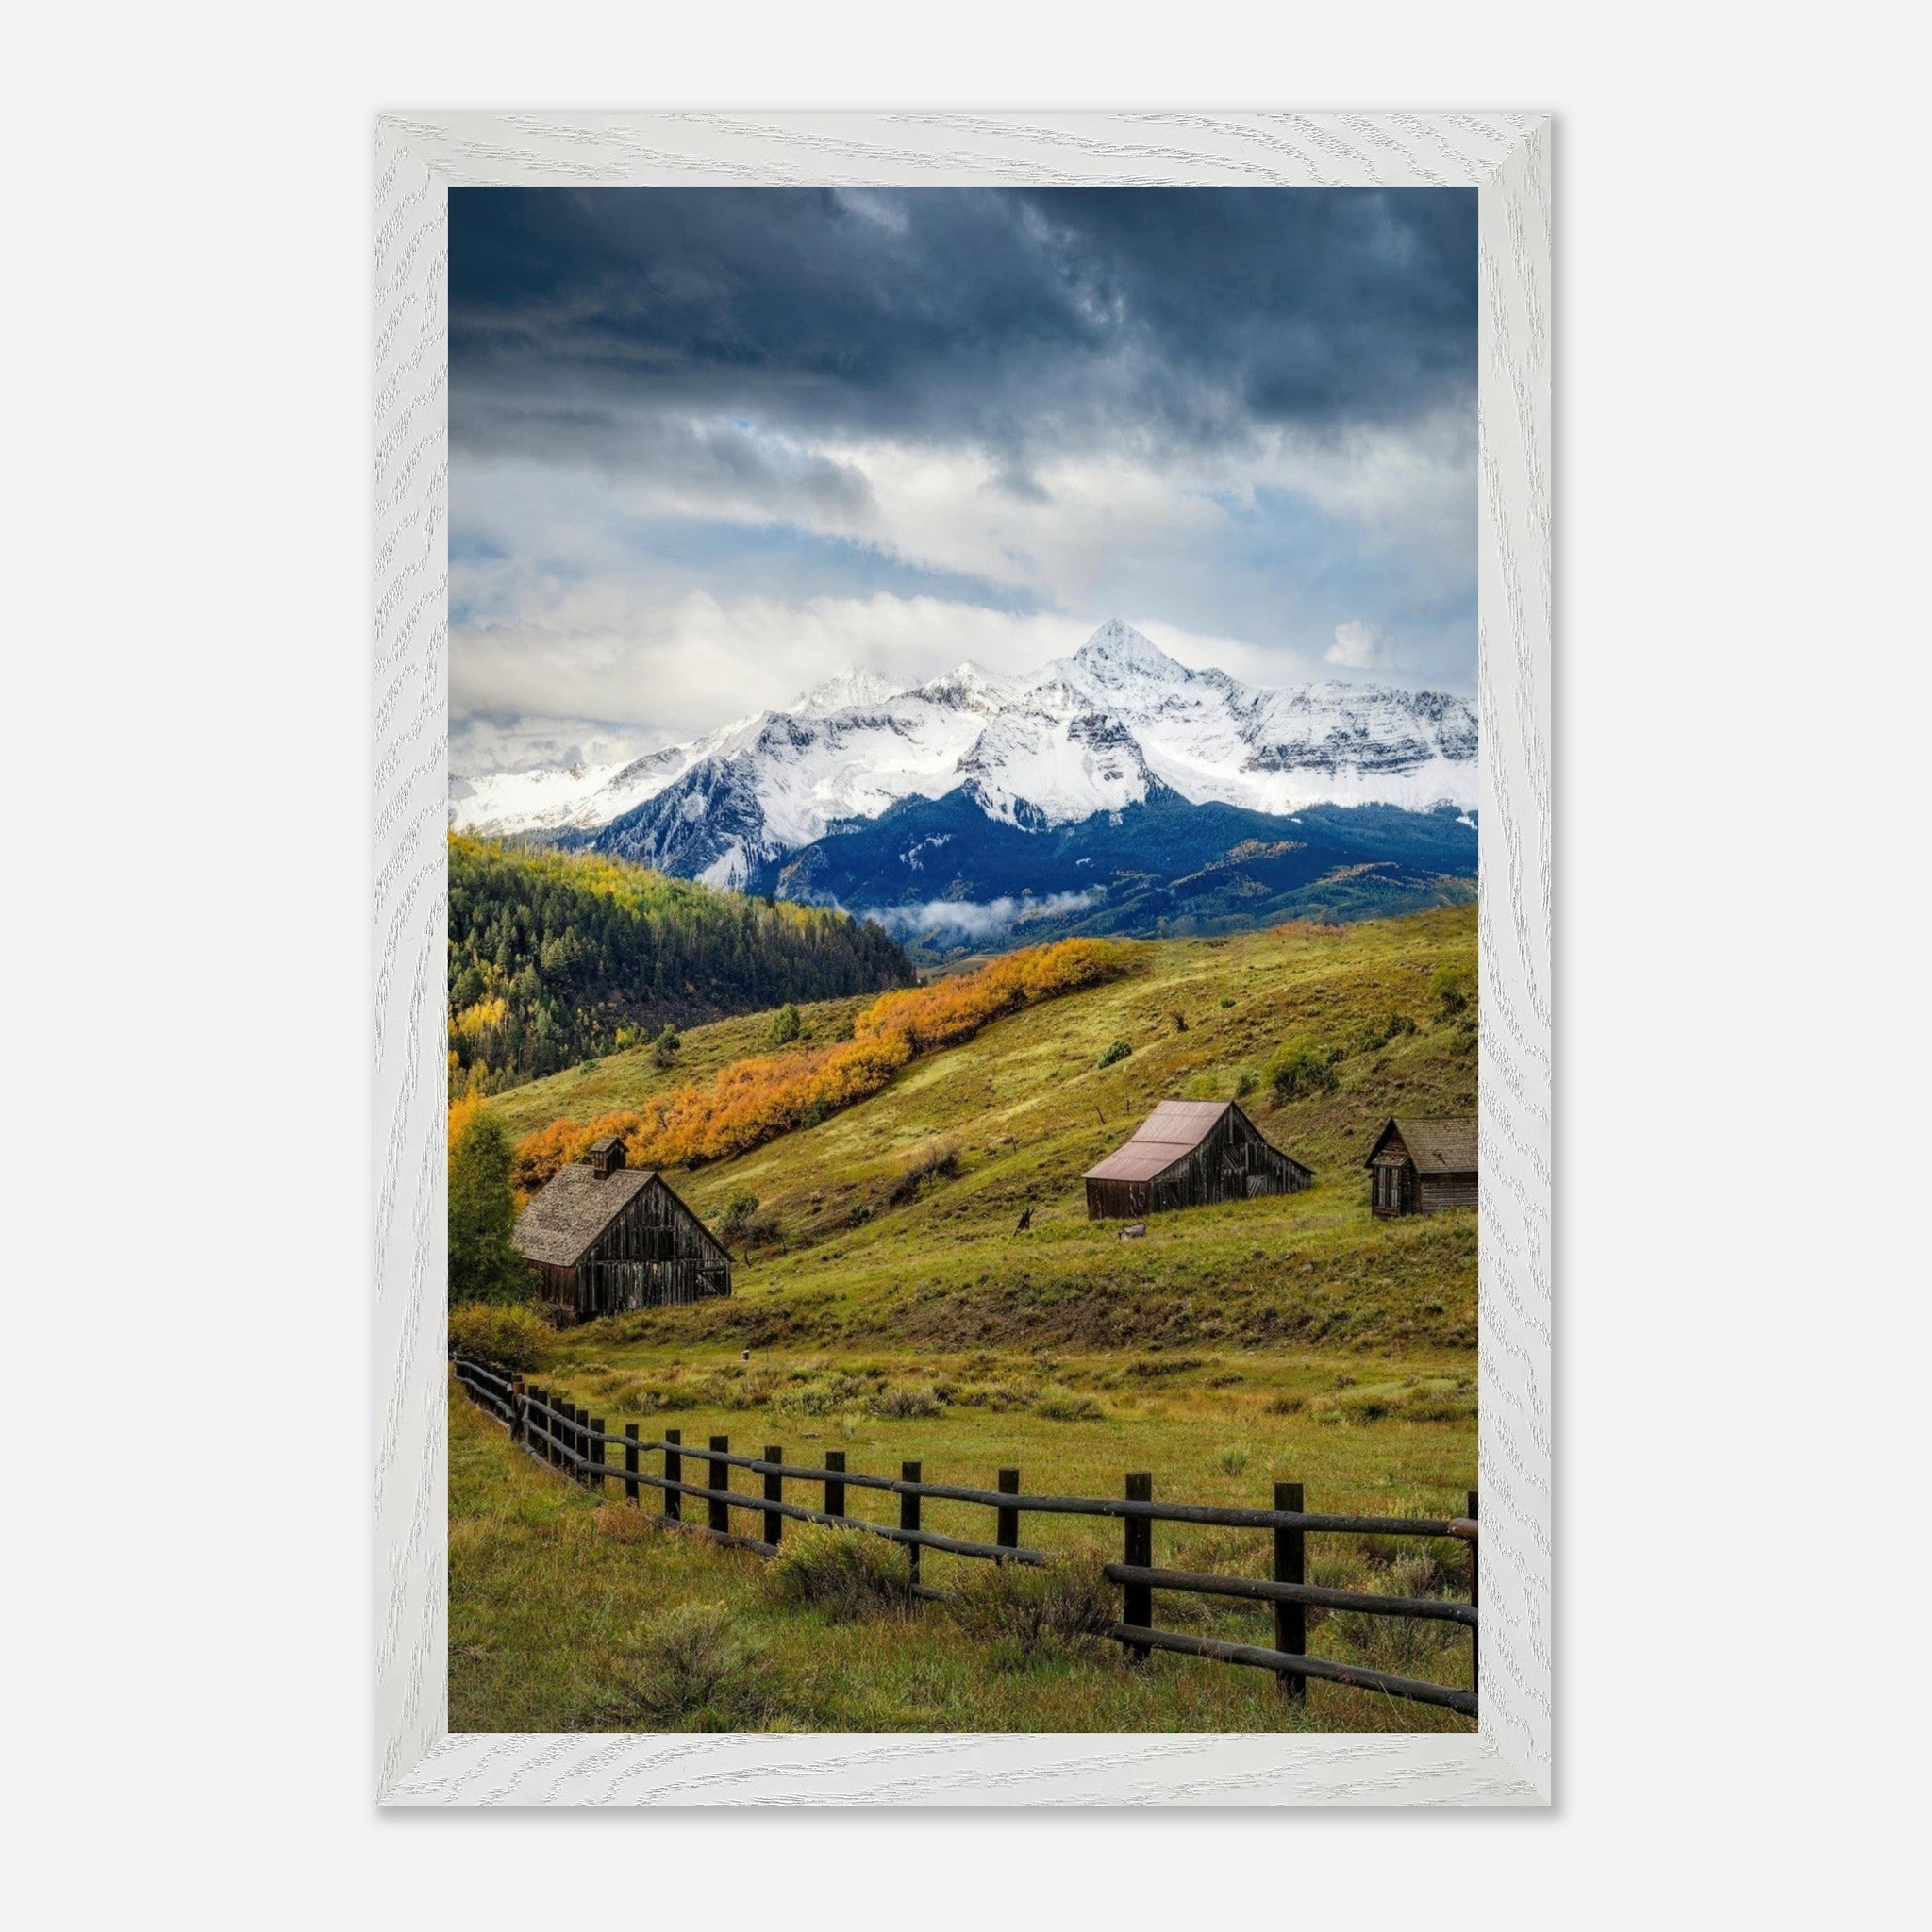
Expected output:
(971, 919)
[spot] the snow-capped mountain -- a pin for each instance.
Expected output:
(1117, 725)
(848, 689)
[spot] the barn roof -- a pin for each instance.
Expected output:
(1438, 1144)
(1169, 1134)
(572, 1208)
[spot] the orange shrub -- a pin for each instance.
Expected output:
(539, 1155)
(955, 1010)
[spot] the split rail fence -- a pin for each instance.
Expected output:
(576, 1442)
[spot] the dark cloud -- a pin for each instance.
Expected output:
(712, 445)
(621, 435)
(1024, 322)
(660, 557)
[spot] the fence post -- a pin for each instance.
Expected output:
(775, 1492)
(543, 1449)
(1007, 1534)
(834, 1491)
(630, 1462)
(1290, 1620)
(519, 1413)
(1136, 1548)
(720, 1479)
(909, 1516)
(673, 1472)
(1474, 1574)
(579, 1443)
(600, 1457)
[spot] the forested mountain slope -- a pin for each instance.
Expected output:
(557, 957)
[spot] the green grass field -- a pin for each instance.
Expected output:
(1293, 1338)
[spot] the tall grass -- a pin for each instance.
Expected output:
(847, 1574)
(1066, 1605)
(692, 1672)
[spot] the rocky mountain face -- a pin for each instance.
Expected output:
(1120, 725)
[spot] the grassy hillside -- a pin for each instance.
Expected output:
(852, 1248)
(890, 1308)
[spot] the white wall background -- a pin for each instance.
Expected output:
(1742, 647)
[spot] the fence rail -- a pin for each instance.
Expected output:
(572, 1440)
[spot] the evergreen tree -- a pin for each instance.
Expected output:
(484, 1266)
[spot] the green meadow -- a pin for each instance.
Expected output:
(888, 1303)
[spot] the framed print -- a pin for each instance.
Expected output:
(963, 923)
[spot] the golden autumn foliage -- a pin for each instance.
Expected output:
(539, 1155)
(955, 1010)
(461, 1112)
(476, 1026)
(756, 1100)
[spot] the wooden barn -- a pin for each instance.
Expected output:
(604, 1237)
(1423, 1163)
(1189, 1153)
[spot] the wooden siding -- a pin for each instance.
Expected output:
(1440, 1191)
(1116, 1200)
(655, 1254)
(1231, 1163)
(1395, 1187)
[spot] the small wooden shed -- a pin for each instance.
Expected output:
(1189, 1153)
(604, 1237)
(1422, 1163)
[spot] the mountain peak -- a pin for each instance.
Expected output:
(1089, 733)
(849, 688)
(1117, 647)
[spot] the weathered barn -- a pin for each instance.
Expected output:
(1423, 1163)
(603, 1238)
(1189, 1154)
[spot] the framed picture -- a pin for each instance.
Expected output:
(963, 916)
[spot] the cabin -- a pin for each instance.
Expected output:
(1420, 1164)
(603, 1238)
(1189, 1153)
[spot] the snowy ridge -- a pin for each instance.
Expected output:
(1091, 733)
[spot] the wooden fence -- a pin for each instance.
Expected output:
(573, 1440)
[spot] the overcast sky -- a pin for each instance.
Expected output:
(709, 447)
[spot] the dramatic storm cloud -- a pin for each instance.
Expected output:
(712, 446)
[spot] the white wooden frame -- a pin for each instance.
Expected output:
(1506, 157)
